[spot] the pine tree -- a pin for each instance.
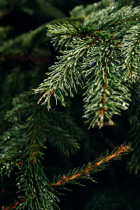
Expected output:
(97, 60)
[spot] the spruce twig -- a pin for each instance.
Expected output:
(121, 149)
(91, 167)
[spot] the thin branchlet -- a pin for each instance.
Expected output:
(91, 167)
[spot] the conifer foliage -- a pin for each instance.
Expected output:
(98, 57)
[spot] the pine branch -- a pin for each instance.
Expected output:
(16, 204)
(92, 167)
(65, 74)
(92, 55)
(131, 53)
(122, 149)
(58, 127)
(109, 97)
(22, 147)
(97, 22)
(80, 11)
(99, 48)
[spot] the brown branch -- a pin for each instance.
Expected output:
(16, 204)
(105, 87)
(91, 167)
(64, 180)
